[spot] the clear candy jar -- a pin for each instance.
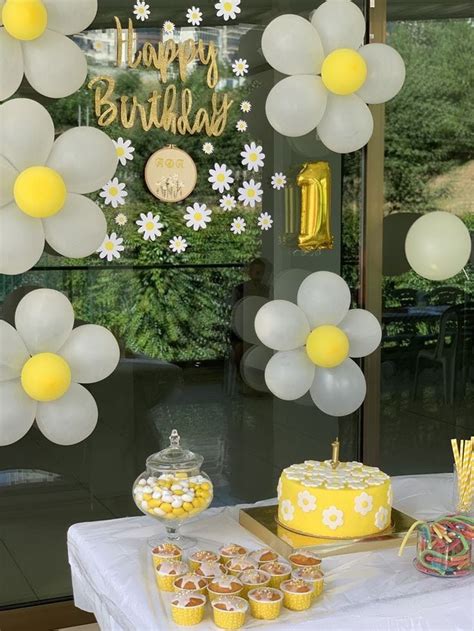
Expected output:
(173, 489)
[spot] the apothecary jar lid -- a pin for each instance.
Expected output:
(174, 457)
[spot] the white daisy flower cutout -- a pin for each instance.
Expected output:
(278, 181)
(198, 216)
(246, 106)
(265, 221)
(168, 27)
(241, 125)
(228, 202)
(141, 10)
(33, 42)
(149, 226)
(279, 489)
(381, 518)
(194, 16)
(238, 225)
(121, 219)
(124, 150)
(178, 245)
(252, 156)
(227, 9)
(363, 503)
(250, 193)
(306, 501)
(390, 495)
(208, 148)
(111, 247)
(220, 177)
(43, 183)
(333, 517)
(43, 361)
(114, 193)
(240, 67)
(287, 510)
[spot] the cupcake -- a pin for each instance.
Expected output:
(265, 602)
(167, 572)
(211, 569)
(200, 556)
(239, 564)
(188, 609)
(166, 552)
(264, 555)
(224, 585)
(190, 583)
(278, 571)
(297, 594)
(314, 577)
(229, 612)
(304, 558)
(253, 578)
(231, 551)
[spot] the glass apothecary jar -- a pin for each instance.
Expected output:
(173, 489)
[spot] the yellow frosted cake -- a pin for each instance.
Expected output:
(349, 501)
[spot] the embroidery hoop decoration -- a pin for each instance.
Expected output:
(170, 174)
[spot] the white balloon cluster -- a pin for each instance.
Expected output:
(332, 75)
(42, 363)
(315, 340)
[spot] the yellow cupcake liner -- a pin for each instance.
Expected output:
(248, 588)
(194, 565)
(165, 582)
(187, 616)
(228, 619)
(297, 602)
(157, 558)
(214, 595)
(265, 610)
(318, 586)
(277, 580)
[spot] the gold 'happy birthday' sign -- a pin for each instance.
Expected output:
(166, 109)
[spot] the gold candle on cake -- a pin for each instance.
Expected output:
(335, 454)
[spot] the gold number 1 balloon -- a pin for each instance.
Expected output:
(314, 179)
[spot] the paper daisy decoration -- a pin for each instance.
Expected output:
(240, 67)
(43, 361)
(111, 247)
(33, 42)
(198, 216)
(168, 27)
(246, 107)
(315, 340)
(252, 156)
(241, 125)
(42, 186)
(149, 226)
(114, 193)
(227, 9)
(332, 75)
(178, 245)
(278, 181)
(265, 221)
(208, 148)
(250, 193)
(121, 219)
(194, 16)
(227, 202)
(220, 177)
(141, 10)
(238, 225)
(124, 150)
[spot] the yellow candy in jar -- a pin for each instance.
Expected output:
(205, 486)
(166, 507)
(179, 512)
(187, 506)
(147, 496)
(181, 475)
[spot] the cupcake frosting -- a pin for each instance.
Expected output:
(254, 577)
(172, 567)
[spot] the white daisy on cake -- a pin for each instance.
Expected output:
(363, 503)
(111, 247)
(265, 221)
(149, 226)
(227, 9)
(240, 67)
(194, 16)
(220, 177)
(333, 517)
(241, 125)
(238, 225)
(178, 244)
(279, 489)
(121, 219)
(306, 501)
(141, 10)
(287, 510)
(124, 150)
(246, 106)
(252, 156)
(228, 202)
(381, 518)
(278, 181)
(208, 148)
(389, 495)
(198, 216)
(114, 193)
(250, 193)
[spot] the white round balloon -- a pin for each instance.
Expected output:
(385, 73)
(339, 391)
(438, 245)
(340, 24)
(292, 46)
(281, 325)
(295, 105)
(363, 330)
(21, 240)
(13, 352)
(347, 124)
(92, 353)
(243, 317)
(289, 374)
(324, 297)
(17, 412)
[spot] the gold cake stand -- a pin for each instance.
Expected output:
(262, 522)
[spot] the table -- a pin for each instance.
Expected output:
(375, 591)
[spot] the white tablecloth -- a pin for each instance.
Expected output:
(373, 591)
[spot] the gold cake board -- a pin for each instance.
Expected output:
(262, 522)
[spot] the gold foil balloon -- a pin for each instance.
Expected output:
(314, 179)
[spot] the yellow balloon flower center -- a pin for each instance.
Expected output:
(46, 377)
(344, 71)
(39, 191)
(327, 346)
(24, 19)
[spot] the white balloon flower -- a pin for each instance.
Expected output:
(315, 340)
(33, 43)
(42, 363)
(42, 182)
(332, 75)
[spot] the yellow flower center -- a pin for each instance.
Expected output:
(120, 151)
(344, 71)
(198, 216)
(108, 245)
(46, 377)
(149, 225)
(220, 177)
(39, 191)
(253, 157)
(327, 346)
(113, 191)
(250, 192)
(24, 19)
(227, 6)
